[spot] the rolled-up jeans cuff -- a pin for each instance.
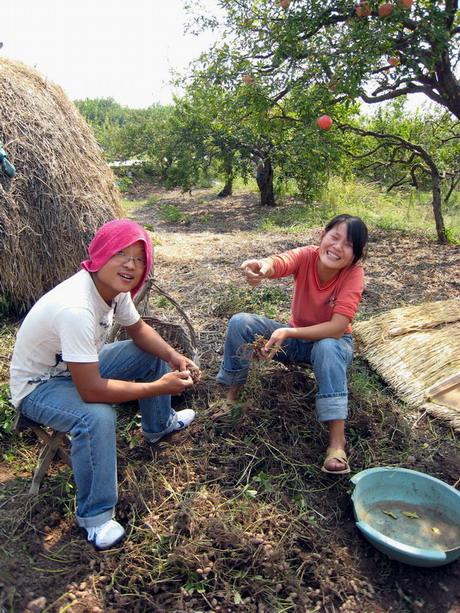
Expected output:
(167, 430)
(96, 520)
(231, 377)
(332, 407)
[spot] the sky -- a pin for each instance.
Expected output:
(120, 49)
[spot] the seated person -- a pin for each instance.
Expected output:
(64, 375)
(328, 286)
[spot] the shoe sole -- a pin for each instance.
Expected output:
(183, 427)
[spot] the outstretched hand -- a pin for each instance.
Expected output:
(255, 270)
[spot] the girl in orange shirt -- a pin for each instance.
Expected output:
(328, 286)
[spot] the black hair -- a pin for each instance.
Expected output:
(356, 234)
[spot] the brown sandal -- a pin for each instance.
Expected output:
(340, 456)
(222, 407)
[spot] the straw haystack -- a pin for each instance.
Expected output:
(416, 350)
(61, 193)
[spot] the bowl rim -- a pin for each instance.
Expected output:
(355, 479)
(436, 556)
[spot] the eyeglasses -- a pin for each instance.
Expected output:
(124, 258)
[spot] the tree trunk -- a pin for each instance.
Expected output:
(227, 190)
(264, 179)
(448, 84)
(436, 193)
(453, 185)
(436, 204)
(165, 168)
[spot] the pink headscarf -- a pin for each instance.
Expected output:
(115, 236)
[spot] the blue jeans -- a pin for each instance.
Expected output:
(329, 358)
(56, 403)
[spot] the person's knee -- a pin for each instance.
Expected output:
(106, 415)
(101, 417)
(325, 347)
(242, 324)
(239, 320)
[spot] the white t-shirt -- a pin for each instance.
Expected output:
(68, 324)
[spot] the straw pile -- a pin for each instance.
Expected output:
(62, 192)
(417, 351)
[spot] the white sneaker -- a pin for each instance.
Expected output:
(184, 419)
(106, 535)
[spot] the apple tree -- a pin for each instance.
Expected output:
(215, 128)
(368, 49)
(343, 51)
(249, 132)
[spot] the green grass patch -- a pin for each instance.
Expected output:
(7, 411)
(270, 302)
(174, 214)
(407, 210)
(131, 205)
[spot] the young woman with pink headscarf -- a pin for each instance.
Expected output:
(65, 376)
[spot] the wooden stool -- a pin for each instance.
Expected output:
(53, 443)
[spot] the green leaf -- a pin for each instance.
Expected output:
(390, 513)
(411, 515)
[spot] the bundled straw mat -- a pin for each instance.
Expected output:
(416, 350)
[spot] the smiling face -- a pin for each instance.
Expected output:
(335, 252)
(116, 276)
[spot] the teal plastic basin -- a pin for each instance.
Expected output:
(407, 515)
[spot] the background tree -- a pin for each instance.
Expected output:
(106, 117)
(246, 132)
(360, 49)
(422, 151)
(331, 53)
(126, 134)
(217, 125)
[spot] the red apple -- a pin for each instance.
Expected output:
(247, 78)
(363, 9)
(385, 9)
(284, 4)
(324, 122)
(393, 61)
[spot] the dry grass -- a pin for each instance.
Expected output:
(226, 516)
(62, 192)
(229, 516)
(414, 348)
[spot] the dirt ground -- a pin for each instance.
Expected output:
(45, 565)
(400, 269)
